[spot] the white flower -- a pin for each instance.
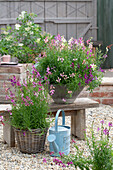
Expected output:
(29, 23)
(8, 38)
(27, 29)
(20, 44)
(5, 32)
(90, 45)
(21, 16)
(93, 66)
(63, 39)
(70, 40)
(31, 32)
(38, 40)
(17, 26)
(107, 49)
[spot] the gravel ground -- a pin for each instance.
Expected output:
(13, 159)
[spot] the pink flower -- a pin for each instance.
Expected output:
(52, 92)
(7, 97)
(48, 71)
(87, 52)
(69, 92)
(46, 40)
(69, 163)
(61, 153)
(110, 124)
(98, 129)
(18, 83)
(63, 100)
(45, 78)
(10, 113)
(87, 41)
(39, 83)
(102, 122)
(12, 101)
(58, 80)
(73, 141)
(51, 153)
(44, 160)
(39, 89)
(106, 131)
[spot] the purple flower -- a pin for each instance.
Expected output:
(102, 122)
(72, 65)
(18, 83)
(110, 124)
(87, 52)
(44, 160)
(24, 133)
(61, 153)
(105, 56)
(69, 163)
(12, 101)
(39, 89)
(98, 129)
(106, 131)
(63, 165)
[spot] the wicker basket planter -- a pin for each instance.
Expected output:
(30, 142)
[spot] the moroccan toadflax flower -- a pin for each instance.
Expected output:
(29, 100)
(71, 63)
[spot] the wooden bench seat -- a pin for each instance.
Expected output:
(75, 110)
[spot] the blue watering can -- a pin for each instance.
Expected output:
(59, 137)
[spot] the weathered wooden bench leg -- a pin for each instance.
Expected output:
(8, 133)
(78, 124)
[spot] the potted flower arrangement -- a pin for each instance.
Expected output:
(73, 65)
(28, 116)
(25, 41)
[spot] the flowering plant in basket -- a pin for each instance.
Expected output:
(29, 100)
(72, 63)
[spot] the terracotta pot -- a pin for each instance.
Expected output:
(6, 58)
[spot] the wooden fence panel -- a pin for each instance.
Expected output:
(74, 18)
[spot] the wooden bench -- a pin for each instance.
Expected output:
(75, 110)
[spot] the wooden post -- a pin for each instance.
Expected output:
(78, 124)
(8, 133)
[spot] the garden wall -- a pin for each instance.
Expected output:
(6, 73)
(103, 94)
(71, 18)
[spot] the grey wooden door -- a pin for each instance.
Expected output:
(71, 18)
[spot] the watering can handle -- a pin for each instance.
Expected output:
(56, 119)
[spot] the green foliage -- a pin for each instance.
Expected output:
(25, 41)
(101, 149)
(72, 63)
(100, 152)
(29, 102)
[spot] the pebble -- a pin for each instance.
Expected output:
(13, 159)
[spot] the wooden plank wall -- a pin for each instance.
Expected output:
(71, 18)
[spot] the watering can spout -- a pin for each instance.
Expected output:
(51, 139)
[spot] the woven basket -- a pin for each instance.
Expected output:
(30, 142)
